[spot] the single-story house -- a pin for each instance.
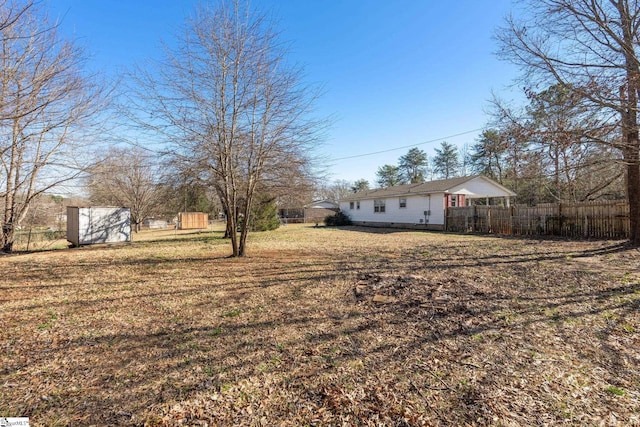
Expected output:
(420, 205)
(291, 215)
(318, 210)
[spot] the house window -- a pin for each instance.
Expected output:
(454, 199)
(403, 203)
(358, 204)
(351, 205)
(378, 206)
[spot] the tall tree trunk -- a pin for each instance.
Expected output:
(633, 188)
(629, 102)
(227, 228)
(632, 160)
(247, 217)
(7, 238)
(233, 224)
(12, 186)
(225, 210)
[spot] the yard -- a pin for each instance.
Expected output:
(323, 326)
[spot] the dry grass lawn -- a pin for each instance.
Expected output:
(322, 326)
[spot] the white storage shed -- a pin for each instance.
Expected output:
(90, 225)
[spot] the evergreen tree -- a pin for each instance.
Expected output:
(413, 166)
(360, 185)
(487, 155)
(264, 214)
(389, 176)
(445, 162)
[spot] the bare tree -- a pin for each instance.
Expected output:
(183, 191)
(520, 167)
(231, 105)
(46, 106)
(335, 190)
(559, 120)
(126, 177)
(588, 46)
(544, 152)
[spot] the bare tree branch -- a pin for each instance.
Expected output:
(46, 107)
(589, 47)
(228, 103)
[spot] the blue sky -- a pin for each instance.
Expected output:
(396, 73)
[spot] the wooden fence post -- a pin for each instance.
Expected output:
(446, 216)
(510, 219)
(560, 219)
(586, 226)
(475, 218)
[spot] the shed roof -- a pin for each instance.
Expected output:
(439, 186)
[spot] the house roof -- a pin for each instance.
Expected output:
(439, 186)
(321, 204)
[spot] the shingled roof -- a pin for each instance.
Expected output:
(439, 186)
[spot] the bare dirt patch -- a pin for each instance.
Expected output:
(320, 326)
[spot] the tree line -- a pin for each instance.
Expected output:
(231, 120)
(581, 70)
(229, 116)
(552, 149)
(416, 167)
(577, 136)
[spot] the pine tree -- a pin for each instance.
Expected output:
(413, 166)
(445, 162)
(389, 176)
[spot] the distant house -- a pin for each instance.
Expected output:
(291, 215)
(318, 210)
(155, 224)
(419, 205)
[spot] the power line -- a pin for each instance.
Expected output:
(409, 146)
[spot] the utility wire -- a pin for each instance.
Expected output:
(409, 146)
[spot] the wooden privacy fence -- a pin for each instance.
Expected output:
(599, 219)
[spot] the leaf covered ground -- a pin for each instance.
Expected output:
(323, 326)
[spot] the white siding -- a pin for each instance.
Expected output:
(98, 225)
(412, 214)
(479, 188)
